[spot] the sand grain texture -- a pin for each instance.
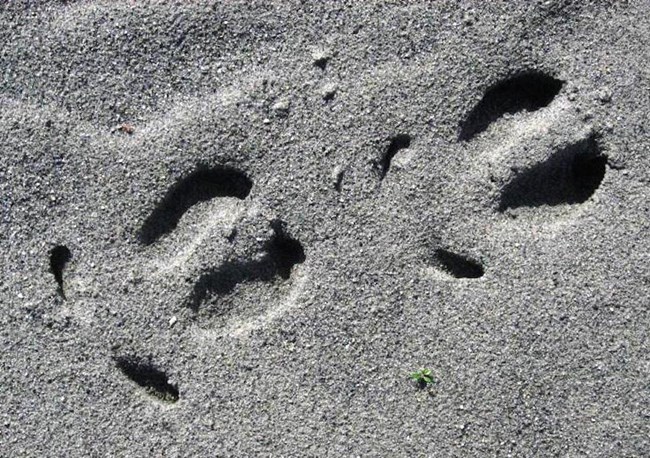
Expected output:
(234, 229)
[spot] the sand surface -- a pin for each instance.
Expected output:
(234, 229)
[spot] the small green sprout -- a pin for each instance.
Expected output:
(423, 377)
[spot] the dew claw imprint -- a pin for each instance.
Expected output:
(457, 265)
(60, 256)
(153, 381)
(397, 143)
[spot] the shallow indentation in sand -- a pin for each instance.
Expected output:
(154, 381)
(397, 143)
(528, 91)
(281, 254)
(60, 255)
(569, 176)
(202, 185)
(457, 265)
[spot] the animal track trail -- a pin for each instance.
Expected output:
(242, 291)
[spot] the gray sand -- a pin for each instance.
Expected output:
(235, 229)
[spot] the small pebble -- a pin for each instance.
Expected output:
(605, 95)
(337, 176)
(281, 107)
(124, 128)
